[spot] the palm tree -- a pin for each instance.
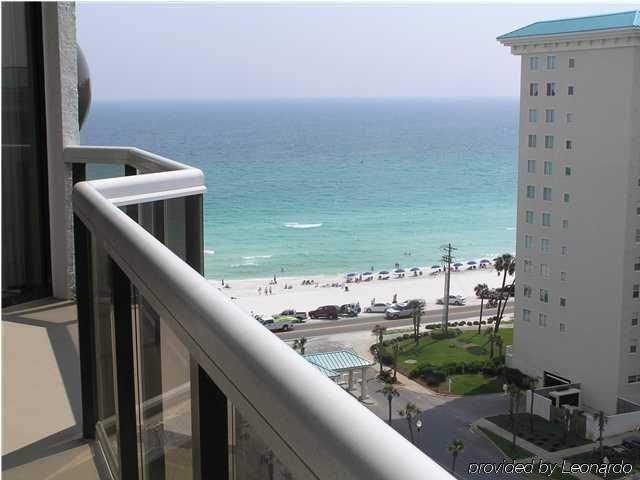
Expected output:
(533, 383)
(602, 421)
(300, 343)
(513, 391)
(410, 411)
(455, 447)
(389, 391)
(505, 264)
(396, 353)
(481, 289)
(380, 331)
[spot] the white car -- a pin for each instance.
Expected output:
(453, 300)
(377, 308)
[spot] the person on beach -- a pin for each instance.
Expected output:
(259, 290)
(395, 298)
(223, 282)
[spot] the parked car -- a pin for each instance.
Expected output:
(632, 442)
(377, 308)
(327, 311)
(453, 300)
(400, 310)
(349, 310)
(301, 316)
(276, 326)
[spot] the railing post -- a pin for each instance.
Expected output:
(125, 382)
(84, 306)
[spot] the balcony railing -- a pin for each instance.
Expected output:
(178, 382)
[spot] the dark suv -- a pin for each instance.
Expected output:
(328, 311)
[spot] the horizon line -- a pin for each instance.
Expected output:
(335, 97)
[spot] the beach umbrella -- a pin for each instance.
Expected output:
(435, 266)
(458, 264)
(352, 274)
(366, 274)
(471, 262)
(415, 269)
(383, 272)
(484, 260)
(399, 270)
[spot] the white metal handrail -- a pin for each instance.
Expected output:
(314, 428)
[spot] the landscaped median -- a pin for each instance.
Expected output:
(464, 357)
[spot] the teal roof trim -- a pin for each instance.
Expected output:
(610, 21)
(338, 361)
(326, 372)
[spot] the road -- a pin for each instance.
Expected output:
(367, 321)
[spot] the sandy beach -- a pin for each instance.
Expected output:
(309, 297)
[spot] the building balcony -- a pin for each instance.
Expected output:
(170, 379)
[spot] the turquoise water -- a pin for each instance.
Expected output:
(327, 186)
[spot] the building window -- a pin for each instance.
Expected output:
(548, 141)
(633, 346)
(549, 116)
(566, 197)
(564, 250)
(569, 117)
(528, 264)
(531, 191)
(567, 171)
(636, 290)
(633, 379)
(572, 63)
(636, 266)
(563, 302)
(542, 320)
(526, 291)
(533, 63)
(571, 89)
(634, 319)
(568, 144)
(551, 89)
(637, 235)
(526, 315)
(546, 194)
(533, 89)
(565, 223)
(528, 218)
(531, 166)
(545, 245)
(548, 168)
(563, 276)
(545, 271)
(563, 327)
(528, 242)
(532, 141)
(533, 115)
(637, 210)
(551, 62)
(546, 219)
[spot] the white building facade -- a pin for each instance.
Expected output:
(578, 227)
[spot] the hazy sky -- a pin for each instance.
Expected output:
(196, 51)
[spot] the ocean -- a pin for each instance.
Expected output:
(324, 186)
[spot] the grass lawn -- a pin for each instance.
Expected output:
(468, 347)
(628, 456)
(505, 446)
(546, 435)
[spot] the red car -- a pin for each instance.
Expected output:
(328, 311)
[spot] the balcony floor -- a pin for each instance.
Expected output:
(41, 399)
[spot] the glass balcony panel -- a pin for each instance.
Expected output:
(162, 373)
(107, 426)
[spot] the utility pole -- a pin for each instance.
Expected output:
(447, 258)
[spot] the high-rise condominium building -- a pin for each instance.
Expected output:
(578, 227)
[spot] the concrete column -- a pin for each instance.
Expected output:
(61, 98)
(363, 384)
(350, 380)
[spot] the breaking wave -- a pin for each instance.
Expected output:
(209, 252)
(302, 225)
